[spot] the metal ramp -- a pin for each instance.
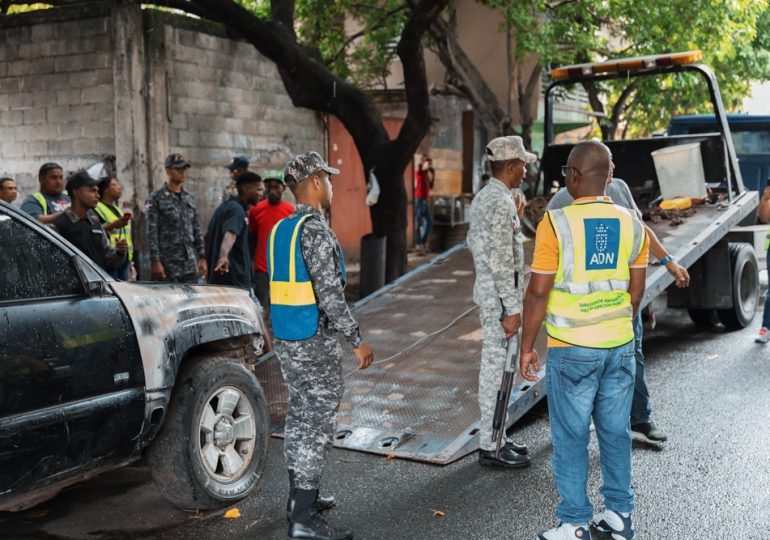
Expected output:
(419, 400)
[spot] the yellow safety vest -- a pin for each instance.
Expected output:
(124, 233)
(767, 239)
(43, 203)
(589, 305)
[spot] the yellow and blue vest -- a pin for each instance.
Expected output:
(293, 304)
(589, 305)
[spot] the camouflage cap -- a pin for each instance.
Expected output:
(511, 147)
(305, 165)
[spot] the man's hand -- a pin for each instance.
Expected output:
(766, 194)
(121, 246)
(203, 268)
(519, 200)
(679, 272)
(529, 364)
(158, 272)
(511, 324)
(365, 355)
(223, 266)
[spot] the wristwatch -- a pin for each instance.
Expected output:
(665, 260)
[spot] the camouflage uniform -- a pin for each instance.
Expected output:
(495, 241)
(312, 368)
(174, 234)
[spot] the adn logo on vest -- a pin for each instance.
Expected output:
(602, 243)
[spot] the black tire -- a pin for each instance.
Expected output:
(705, 318)
(225, 388)
(745, 287)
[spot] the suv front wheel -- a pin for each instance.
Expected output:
(212, 446)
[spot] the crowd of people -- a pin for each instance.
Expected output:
(230, 251)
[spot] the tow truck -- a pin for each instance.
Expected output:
(724, 284)
(419, 400)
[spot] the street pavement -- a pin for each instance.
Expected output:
(711, 393)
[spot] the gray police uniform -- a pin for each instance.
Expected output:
(495, 240)
(312, 368)
(174, 234)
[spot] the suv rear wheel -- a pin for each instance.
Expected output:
(212, 446)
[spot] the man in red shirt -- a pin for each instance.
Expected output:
(423, 182)
(262, 217)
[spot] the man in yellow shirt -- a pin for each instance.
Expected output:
(587, 284)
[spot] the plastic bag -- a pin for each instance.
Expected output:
(373, 189)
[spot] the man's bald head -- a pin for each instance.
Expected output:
(592, 159)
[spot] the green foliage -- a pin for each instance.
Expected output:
(356, 40)
(734, 36)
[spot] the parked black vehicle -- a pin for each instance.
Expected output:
(95, 372)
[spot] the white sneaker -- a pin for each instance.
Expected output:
(566, 531)
(763, 336)
(616, 523)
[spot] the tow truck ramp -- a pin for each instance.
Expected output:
(418, 400)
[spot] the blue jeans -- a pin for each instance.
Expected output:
(422, 221)
(641, 406)
(583, 383)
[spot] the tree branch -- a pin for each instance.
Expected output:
(410, 51)
(379, 24)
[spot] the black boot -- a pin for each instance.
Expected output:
(320, 504)
(307, 524)
(506, 459)
(520, 449)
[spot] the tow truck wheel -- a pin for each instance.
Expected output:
(745, 287)
(706, 318)
(212, 446)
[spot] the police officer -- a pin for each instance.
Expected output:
(81, 228)
(306, 267)
(587, 282)
(495, 241)
(174, 234)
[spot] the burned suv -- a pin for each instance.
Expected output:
(96, 372)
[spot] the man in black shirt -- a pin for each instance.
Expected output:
(228, 235)
(83, 229)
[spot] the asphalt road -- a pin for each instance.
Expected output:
(711, 393)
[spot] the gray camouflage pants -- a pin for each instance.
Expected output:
(490, 374)
(312, 370)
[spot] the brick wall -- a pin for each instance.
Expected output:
(224, 99)
(56, 92)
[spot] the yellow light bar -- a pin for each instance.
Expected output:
(624, 65)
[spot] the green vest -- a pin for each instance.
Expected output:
(108, 215)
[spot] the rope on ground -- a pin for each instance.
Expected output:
(419, 341)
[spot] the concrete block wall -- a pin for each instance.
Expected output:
(225, 99)
(56, 92)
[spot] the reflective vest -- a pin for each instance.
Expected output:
(108, 216)
(767, 239)
(39, 198)
(293, 305)
(43, 203)
(589, 305)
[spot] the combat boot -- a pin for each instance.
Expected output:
(506, 459)
(307, 524)
(520, 449)
(320, 504)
